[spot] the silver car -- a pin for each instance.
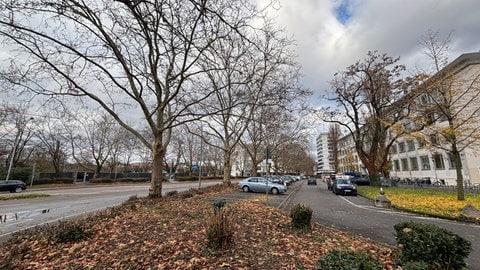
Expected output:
(260, 184)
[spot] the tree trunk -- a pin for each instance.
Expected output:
(458, 168)
(158, 153)
(227, 168)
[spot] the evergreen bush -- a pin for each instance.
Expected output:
(347, 260)
(301, 215)
(437, 247)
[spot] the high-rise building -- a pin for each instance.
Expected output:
(325, 157)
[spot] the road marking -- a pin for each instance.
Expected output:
(15, 204)
(412, 215)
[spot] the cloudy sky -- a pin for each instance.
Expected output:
(332, 34)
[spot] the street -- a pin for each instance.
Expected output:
(17, 215)
(358, 215)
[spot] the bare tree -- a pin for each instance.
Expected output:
(133, 58)
(371, 99)
(18, 130)
(53, 141)
(93, 141)
(247, 77)
(448, 104)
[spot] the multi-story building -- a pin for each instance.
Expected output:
(410, 156)
(325, 158)
(414, 157)
(348, 160)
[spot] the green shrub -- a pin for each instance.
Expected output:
(421, 265)
(190, 193)
(101, 181)
(68, 232)
(347, 260)
(301, 215)
(171, 193)
(45, 181)
(220, 228)
(437, 247)
(218, 204)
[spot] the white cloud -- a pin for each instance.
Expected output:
(395, 27)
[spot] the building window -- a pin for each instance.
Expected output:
(438, 161)
(414, 163)
(404, 164)
(425, 162)
(394, 149)
(396, 165)
(421, 143)
(451, 163)
(401, 147)
(411, 145)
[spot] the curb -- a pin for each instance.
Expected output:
(284, 203)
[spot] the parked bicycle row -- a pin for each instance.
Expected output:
(427, 182)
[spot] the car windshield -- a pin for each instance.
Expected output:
(343, 181)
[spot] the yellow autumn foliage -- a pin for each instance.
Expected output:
(437, 202)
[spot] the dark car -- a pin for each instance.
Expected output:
(311, 181)
(361, 181)
(344, 186)
(12, 185)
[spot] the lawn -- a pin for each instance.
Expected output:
(170, 233)
(434, 202)
(13, 196)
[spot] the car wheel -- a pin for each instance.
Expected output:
(245, 189)
(18, 189)
(274, 191)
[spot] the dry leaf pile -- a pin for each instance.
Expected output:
(169, 233)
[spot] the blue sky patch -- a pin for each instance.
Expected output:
(343, 11)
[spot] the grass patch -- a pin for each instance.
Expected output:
(15, 196)
(434, 202)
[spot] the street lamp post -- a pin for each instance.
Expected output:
(12, 156)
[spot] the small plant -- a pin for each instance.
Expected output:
(301, 215)
(218, 205)
(346, 260)
(220, 227)
(68, 232)
(171, 193)
(437, 247)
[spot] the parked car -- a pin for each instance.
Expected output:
(275, 179)
(12, 186)
(344, 186)
(259, 184)
(311, 181)
(361, 181)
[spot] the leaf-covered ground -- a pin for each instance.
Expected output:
(433, 202)
(170, 233)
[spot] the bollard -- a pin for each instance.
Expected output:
(382, 201)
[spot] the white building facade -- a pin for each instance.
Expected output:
(325, 157)
(412, 158)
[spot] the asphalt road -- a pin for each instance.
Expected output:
(358, 215)
(64, 203)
